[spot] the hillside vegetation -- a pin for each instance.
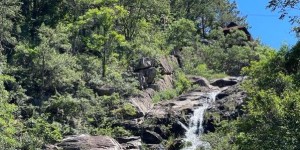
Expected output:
(57, 54)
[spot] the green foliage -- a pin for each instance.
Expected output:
(223, 138)
(46, 132)
(57, 56)
(9, 126)
(182, 83)
(231, 53)
(9, 11)
(104, 36)
(284, 8)
(182, 33)
(272, 105)
(164, 95)
(293, 59)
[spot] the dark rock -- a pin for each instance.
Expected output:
(150, 137)
(199, 81)
(159, 131)
(131, 143)
(145, 63)
(150, 75)
(102, 90)
(132, 125)
(49, 147)
(176, 145)
(221, 95)
(177, 129)
(177, 54)
(225, 82)
(83, 142)
(147, 77)
(209, 125)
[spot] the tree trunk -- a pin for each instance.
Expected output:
(104, 62)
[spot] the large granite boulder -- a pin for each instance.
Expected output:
(88, 142)
(143, 102)
(145, 63)
(167, 64)
(164, 83)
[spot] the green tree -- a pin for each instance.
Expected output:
(182, 33)
(9, 14)
(284, 7)
(103, 37)
(9, 125)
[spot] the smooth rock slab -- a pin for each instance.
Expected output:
(88, 142)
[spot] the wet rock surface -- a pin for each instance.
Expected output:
(155, 124)
(176, 112)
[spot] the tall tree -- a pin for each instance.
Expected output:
(37, 12)
(156, 12)
(9, 13)
(101, 35)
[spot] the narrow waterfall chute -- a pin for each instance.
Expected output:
(195, 128)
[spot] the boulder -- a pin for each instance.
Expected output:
(199, 81)
(84, 142)
(145, 63)
(147, 76)
(229, 81)
(150, 75)
(102, 90)
(167, 65)
(50, 147)
(177, 54)
(132, 143)
(166, 82)
(143, 102)
(150, 137)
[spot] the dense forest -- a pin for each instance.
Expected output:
(67, 67)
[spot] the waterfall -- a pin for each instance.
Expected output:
(195, 128)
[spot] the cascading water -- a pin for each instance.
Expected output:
(195, 129)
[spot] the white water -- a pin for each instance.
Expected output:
(195, 129)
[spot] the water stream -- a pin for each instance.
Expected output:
(195, 128)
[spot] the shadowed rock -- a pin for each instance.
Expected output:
(150, 137)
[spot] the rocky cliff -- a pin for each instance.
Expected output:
(162, 125)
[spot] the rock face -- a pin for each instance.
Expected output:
(175, 113)
(156, 123)
(143, 102)
(145, 63)
(84, 142)
(132, 143)
(153, 76)
(167, 64)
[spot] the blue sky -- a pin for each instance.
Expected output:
(265, 24)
